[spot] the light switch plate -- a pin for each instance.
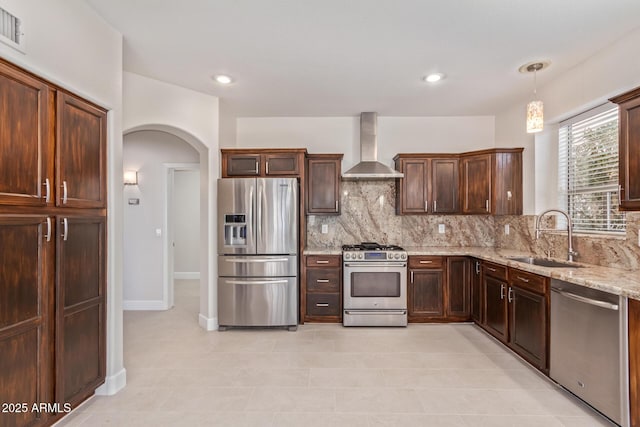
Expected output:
(158, 232)
(441, 228)
(506, 229)
(324, 229)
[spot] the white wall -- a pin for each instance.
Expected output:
(607, 73)
(342, 135)
(186, 215)
(144, 266)
(70, 45)
(192, 116)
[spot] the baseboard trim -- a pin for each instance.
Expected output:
(144, 305)
(113, 384)
(208, 323)
(186, 275)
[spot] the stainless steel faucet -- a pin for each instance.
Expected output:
(570, 252)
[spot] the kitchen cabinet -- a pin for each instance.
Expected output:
(322, 288)
(476, 291)
(24, 138)
(26, 324)
(528, 297)
(629, 149)
(262, 162)
(430, 184)
(634, 361)
(494, 284)
(438, 289)
(491, 182)
(323, 184)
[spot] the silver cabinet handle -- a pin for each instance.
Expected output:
(257, 171)
(619, 194)
(322, 280)
(257, 282)
(322, 261)
(523, 279)
(412, 277)
(48, 235)
(322, 304)
(47, 190)
(65, 229)
(64, 192)
(266, 167)
(486, 205)
(602, 304)
(435, 206)
(252, 260)
(336, 206)
(510, 294)
(502, 287)
(477, 267)
(426, 262)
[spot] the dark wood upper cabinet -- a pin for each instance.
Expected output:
(27, 176)
(430, 184)
(26, 298)
(80, 307)
(80, 153)
(323, 184)
(491, 182)
(629, 149)
(241, 162)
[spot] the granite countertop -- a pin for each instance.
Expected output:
(613, 280)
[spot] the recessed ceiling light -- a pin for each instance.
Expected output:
(223, 79)
(435, 77)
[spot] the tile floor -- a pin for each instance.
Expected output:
(322, 375)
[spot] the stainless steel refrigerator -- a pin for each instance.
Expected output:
(258, 252)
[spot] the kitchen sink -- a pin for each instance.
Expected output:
(545, 262)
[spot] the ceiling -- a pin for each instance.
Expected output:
(341, 57)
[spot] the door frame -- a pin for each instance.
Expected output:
(168, 280)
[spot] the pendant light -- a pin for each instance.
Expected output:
(535, 108)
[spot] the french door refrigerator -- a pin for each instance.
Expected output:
(258, 252)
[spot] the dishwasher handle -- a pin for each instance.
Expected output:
(601, 304)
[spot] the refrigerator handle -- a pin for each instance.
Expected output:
(258, 223)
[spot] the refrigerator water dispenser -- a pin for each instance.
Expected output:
(235, 230)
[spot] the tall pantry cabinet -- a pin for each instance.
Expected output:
(52, 247)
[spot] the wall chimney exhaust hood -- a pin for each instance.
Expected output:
(369, 166)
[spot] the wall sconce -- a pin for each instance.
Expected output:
(130, 177)
(535, 108)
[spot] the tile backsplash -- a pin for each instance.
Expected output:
(368, 215)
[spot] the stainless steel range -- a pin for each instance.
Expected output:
(375, 285)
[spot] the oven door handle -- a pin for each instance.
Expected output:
(376, 264)
(375, 312)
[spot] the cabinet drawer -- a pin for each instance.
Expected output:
(323, 280)
(425, 261)
(530, 281)
(323, 260)
(323, 304)
(495, 270)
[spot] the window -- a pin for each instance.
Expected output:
(588, 170)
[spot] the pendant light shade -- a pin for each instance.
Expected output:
(535, 108)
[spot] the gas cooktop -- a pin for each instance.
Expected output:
(371, 251)
(371, 246)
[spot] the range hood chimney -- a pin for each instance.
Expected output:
(369, 166)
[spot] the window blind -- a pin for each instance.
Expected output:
(588, 170)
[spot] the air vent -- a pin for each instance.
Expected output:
(11, 30)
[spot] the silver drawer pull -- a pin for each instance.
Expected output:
(491, 269)
(523, 279)
(336, 206)
(426, 262)
(255, 282)
(320, 261)
(322, 281)
(322, 304)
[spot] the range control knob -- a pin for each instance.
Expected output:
(360, 256)
(347, 255)
(389, 255)
(397, 256)
(403, 256)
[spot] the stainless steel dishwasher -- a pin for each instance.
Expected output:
(589, 347)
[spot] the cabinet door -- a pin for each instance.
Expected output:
(80, 306)
(495, 313)
(281, 164)
(26, 286)
(476, 292)
(24, 139)
(476, 184)
(444, 185)
(241, 165)
(426, 294)
(80, 154)
(323, 186)
(528, 325)
(414, 186)
(458, 288)
(629, 154)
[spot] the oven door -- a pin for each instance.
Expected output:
(375, 285)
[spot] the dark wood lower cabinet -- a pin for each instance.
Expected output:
(495, 307)
(26, 336)
(476, 291)
(634, 361)
(321, 290)
(425, 294)
(528, 325)
(458, 293)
